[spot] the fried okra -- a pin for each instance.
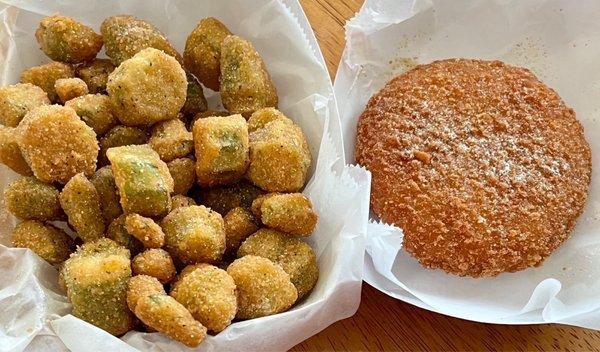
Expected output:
(81, 202)
(207, 113)
(50, 243)
(279, 157)
(181, 201)
(143, 180)
(245, 83)
(96, 278)
(264, 288)
(70, 88)
(124, 36)
(64, 39)
(140, 286)
(28, 198)
(183, 171)
(195, 102)
(44, 76)
(202, 54)
(294, 256)
(116, 231)
(221, 145)
(56, 144)
(261, 117)
(104, 182)
(119, 136)
(95, 74)
(19, 99)
(223, 199)
(239, 224)
(291, 213)
(155, 262)
(171, 140)
(10, 154)
(209, 293)
(194, 234)
(95, 111)
(145, 230)
(148, 88)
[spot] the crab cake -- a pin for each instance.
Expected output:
(483, 166)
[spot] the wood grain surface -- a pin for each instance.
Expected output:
(385, 324)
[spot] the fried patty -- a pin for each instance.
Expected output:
(483, 166)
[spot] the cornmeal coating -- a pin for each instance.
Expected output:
(81, 202)
(124, 36)
(239, 224)
(223, 199)
(264, 288)
(95, 74)
(155, 262)
(179, 201)
(116, 231)
(70, 88)
(246, 85)
(183, 171)
(119, 136)
(483, 166)
(209, 293)
(195, 102)
(17, 100)
(56, 144)
(171, 140)
(95, 110)
(202, 54)
(64, 39)
(44, 76)
(295, 256)
(10, 154)
(28, 198)
(140, 286)
(148, 88)
(194, 234)
(49, 242)
(291, 213)
(207, 113)
(145, 230)
(104, 182)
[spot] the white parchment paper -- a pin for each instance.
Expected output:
(34, 313)
(559, 42)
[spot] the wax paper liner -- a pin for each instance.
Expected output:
(35, 312)
(557, 40)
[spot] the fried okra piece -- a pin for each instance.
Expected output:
(194, 234)
(279, 157)
(140, 286)
(120, 136)
(50, 243)
(202, 54)
(222, 147)
(195, 102)
(70, 88)
(245, 83)
(261, 117)
(171, 140)
(183, 171)
(166, 315)
(264, 288)
(44, 76)
(96, 277)
(145, 230)
(81, 202)
(116, 231)
(182, 201)
(143, 180)
(223, 199)
(148, 88)
(209, 293)
(19, 99)
(204, 114)
(104, 182)
(10, 154)
(239, 224)
(291, 213)
(95, 74)
(56, 144)
(64, 39)
(28, 198)
(295, 256)
(124, 36)
(95, 111)
(155, 262)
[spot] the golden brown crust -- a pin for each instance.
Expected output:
(483, 166)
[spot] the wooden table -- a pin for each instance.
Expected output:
(385, 324)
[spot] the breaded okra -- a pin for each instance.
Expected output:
(179, 201)
(95, 111)
(195, 102)
(104, 182)
(140, 286)
(10, 154)
(143, 180)
(155, 262)
(119, 136)
(81, 202)
(145, 230)
(223, 199)
(96, 278)
(116, 231)
(47, 241)
(28, 198)
(95, 74)
(70, 88)
(183, 171)
(222, 147)
(239, 224)
(44, 76)
(19, 99)
(171, 140)
(291, 213)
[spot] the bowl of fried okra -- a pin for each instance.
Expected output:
(160, 214)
